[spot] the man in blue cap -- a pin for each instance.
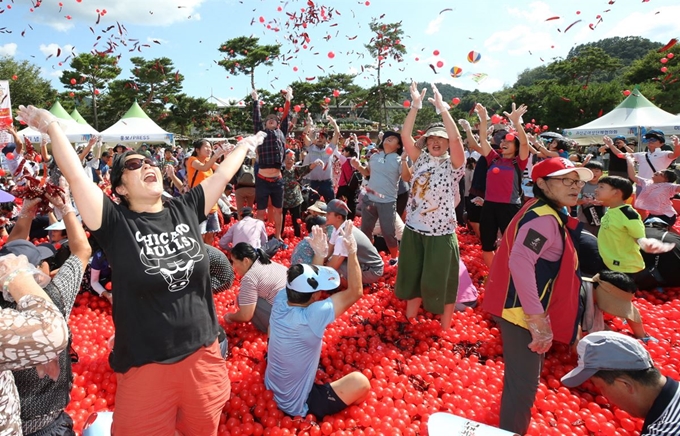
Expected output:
(655, 159)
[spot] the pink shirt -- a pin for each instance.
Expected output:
(503, 183)
(249, 229)
(540, 239)
(656, 197)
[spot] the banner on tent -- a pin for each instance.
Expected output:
(594, 132)
(5, 112)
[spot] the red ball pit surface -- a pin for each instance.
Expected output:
(415, 368)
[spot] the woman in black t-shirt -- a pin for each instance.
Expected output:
(617, 148)
(171, 376)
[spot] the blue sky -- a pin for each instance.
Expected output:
(510, 36)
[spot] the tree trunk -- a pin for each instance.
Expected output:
(149, 98)
(380, 97)
(252, 77)
(94, 110)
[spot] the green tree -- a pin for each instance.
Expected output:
(663, 88)
(89, 75)
(244, 54)
(627, 49)
(529, 77)
(25, 84)
(385, 45)
(187, 112)
(592, 63)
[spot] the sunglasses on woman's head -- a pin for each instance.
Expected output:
(137, 162)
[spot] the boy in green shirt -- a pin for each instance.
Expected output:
(622, 235)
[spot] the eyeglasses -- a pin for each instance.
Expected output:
(137, 162)
(570, 182)
(652, 140)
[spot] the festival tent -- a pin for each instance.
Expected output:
(76, 116)
(632, 118)
(136, 126)
(75, 132)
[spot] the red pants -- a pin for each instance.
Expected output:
(160, 399)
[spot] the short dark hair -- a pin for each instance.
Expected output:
(314, 220)
(351, 150)
(619, 279)
(617, 182)
(646, 377)
(296, 297)
(594, 165)
(670, 175)
(244, 250)
(117, 173)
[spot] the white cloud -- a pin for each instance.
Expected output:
(536, 12)
(434, 25)
(8, 49)
(52, 49)
(353, 71)
(56, 73)
(147, 12)
(519, 40)
(649, 25)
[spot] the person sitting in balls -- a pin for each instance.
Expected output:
(534, 283)
(623, 371)
(296, 328)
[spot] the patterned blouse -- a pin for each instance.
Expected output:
(32, 334)
(431, 206)
(292, 194)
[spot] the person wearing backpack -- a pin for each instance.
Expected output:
(350, 179)
(244, 185)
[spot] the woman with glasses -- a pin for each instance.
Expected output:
(170, 374)
(533, 285)
(200, 165)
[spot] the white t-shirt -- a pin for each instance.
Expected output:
(660, 159)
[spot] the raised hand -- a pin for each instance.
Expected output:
(481, 112)
(253, 94)
(417, 97)
(437, 101)
(39, 119)
(318, 242)
(348, 239)
(465, 124)
(516, 115)
(289, 93)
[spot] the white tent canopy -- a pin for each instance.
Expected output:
(75, 132)
(136, 126)
(634, 116)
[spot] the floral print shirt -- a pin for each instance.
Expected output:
(32, 334)
(292, 194)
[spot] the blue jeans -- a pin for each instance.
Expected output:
(324, 188)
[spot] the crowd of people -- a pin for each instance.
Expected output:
(564, 244)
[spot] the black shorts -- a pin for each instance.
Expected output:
(474, 212)
(266, 189)
(323, 401)
(495, 217)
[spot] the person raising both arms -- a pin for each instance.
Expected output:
(170, 373)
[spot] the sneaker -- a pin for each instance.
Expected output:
(394, 261)
(648, 338)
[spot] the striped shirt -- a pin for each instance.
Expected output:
(663, 419)
(263, 281)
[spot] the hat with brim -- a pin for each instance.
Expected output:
(656, 134)
(318, 207)
(615, 301)
(609, 351)
(6, 197)
(59, 225)
(439, 131)
(36, 254)
(315, 278)
(338, 206)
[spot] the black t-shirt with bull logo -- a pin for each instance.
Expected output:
(163, 309)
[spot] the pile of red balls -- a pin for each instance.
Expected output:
(415, 368)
